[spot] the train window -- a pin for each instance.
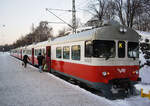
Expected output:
(66, 52)
(37, 51)
(133, 50)
(104, 49)
(121, 49)
(24, 51)
(43, 52)
(29, 52)
(75, 52)
(88, 49)
(58, 52)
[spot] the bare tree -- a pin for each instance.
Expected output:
(64, 32)
(132, 7)
(119, 8)
(132, 13)
(100, 9)
(141, 20)
(42, 32)
(129, 10)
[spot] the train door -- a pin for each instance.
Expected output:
(48, 57)
(32, 56)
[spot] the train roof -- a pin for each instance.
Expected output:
(113, 32)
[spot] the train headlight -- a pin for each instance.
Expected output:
(137, 72)
(122, 30)
(105, 73)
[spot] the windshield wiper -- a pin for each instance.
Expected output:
(107, 56)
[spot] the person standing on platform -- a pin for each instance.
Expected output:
(25, 60)
(40, 61)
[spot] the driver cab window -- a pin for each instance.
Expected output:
(104, 49)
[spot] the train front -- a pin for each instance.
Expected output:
(115, 51)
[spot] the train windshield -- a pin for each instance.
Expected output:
(104, 49)
(133, 50)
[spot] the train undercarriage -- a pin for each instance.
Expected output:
(120, 88)
(116, 89)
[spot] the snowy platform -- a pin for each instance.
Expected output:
(27, 87)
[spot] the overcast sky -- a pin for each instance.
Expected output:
(18, 16)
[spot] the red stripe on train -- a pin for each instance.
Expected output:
(94, 73)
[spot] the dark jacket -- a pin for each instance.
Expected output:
(40, 59)
(25, 58)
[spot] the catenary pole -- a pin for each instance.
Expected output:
(73, 16)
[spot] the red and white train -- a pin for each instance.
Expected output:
(105, 58)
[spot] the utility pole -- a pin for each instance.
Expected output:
(73, 26)
(73, 16)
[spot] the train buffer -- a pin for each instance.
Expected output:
(144, 94)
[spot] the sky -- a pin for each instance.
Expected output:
(17, 16)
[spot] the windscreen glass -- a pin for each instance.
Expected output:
(104, 49)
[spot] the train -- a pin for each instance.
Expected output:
(105, 59)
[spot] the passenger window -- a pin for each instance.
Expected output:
(58, 52)
(75, 52)
(121, 49)
(88, 49)
(37, 51)
(66, 52)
